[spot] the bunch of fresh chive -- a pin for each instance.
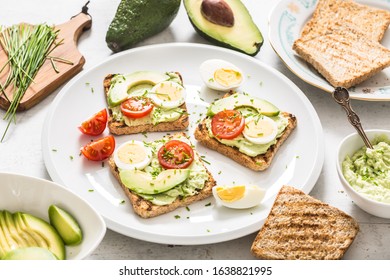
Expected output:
(27, 48)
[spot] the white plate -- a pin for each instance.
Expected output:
(34, 196)
(298, 163)
(286, 21)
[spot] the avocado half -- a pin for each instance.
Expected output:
(243, 36)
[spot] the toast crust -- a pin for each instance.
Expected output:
(257, 163)
(146, 209)
(343, 56)
(302, 227)
(120, 127)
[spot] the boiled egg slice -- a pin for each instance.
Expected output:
(220, 75)
(168, 94)
(132, 155)
(238, 197)
(260, 129)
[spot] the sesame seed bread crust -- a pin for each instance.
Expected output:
(302, 227)
(120, 128)
(146, 209)
(257, 163)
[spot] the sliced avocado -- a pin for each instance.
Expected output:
(30, 253)
(123, 85)
(21, 226)
(143, 183)
(25, 235)
(4, 247)
(136, 20)
(9, 220)
(242, 35)
(12, 243)
(238, 100)
(66, 225)
(47, 232)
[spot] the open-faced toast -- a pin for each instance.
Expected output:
(118, 125)
(250, 152)
(145, 208)
(302, 227)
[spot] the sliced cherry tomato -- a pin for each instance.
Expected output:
(175, 154)
(227, 124)
(136, 107)
(96, 124)
(99, 149)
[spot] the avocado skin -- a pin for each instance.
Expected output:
(235, 42)
(136, 20)
(225, 45)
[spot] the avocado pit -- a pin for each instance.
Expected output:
(218, 12)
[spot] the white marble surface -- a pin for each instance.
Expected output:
(22, 152)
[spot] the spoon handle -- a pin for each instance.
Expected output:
(353, 118)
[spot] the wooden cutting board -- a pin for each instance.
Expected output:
(47, 79)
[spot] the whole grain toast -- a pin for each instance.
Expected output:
(120, 127)
(302, 227)
(371, 22)
(257, 163)
(146, 209)
(344, 56)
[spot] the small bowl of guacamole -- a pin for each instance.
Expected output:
(365, 173)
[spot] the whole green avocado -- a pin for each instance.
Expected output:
(136, 20)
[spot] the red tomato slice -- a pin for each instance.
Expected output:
(175, 154)
(227, 124)
(99, 149)
(136, 107)
(96, 124)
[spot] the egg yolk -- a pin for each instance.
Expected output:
(258, 128)
(227, 77)
(168, 92)
(131, 153)
(231, 194)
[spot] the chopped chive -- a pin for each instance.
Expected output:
(177, 217)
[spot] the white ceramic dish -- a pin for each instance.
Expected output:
(298, 162)
(348, 146)
(286, 21)
(34, 196)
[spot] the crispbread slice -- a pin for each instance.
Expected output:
(369, 21)
(257, 163)
(343, 56)
(146, 209)
(120, 128)
(302, 227)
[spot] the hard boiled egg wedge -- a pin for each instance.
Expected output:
(260, 129)
(168, 94)
(220, 75)
(238, 197)
(132, 155)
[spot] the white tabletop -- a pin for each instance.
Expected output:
(22, 152)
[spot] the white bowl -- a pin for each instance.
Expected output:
(348, 146)
(34, 196)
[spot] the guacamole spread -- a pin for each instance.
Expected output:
(368, 171)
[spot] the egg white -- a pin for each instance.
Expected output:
(141, 149)
(209, 67)
(165, 89)
(256, 129)
(253, 196)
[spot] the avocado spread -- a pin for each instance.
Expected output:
(245, 146)
(191, 186)
(368, 170)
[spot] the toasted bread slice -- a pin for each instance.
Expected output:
(302, 227)
(146, 209)
(343, 56)
(369, 21)
(257, 163)
(120, 128)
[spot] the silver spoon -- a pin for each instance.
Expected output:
(341, 96)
